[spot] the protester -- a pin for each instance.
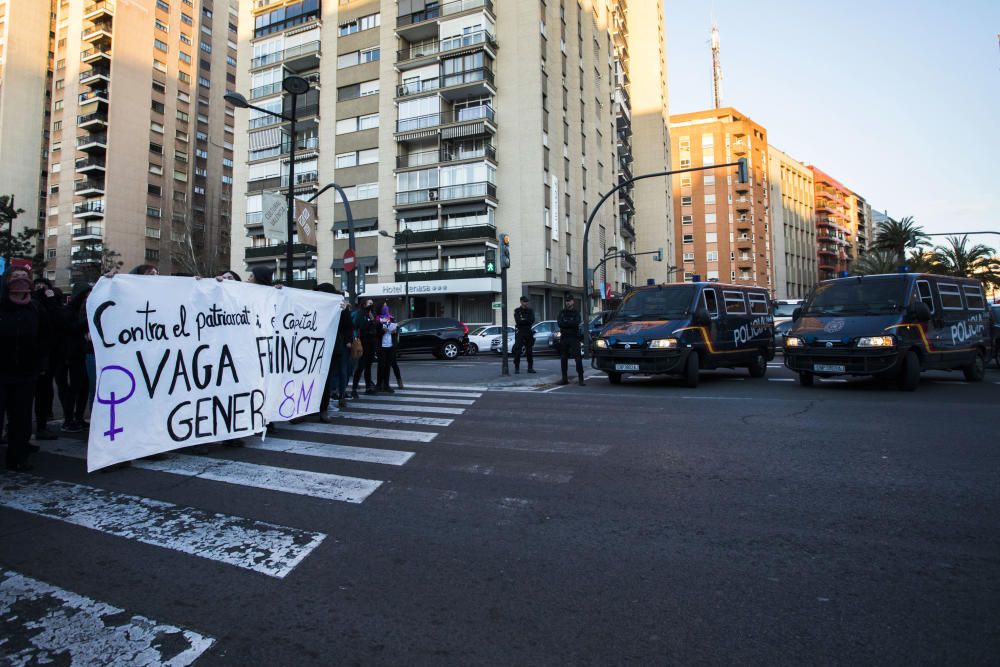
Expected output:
(145, 270)
(22, 353)
(340, 359)
(569, 344)
(50, 301)
(76, 347)
(370, 333)
(524, 339)
(386, 350)
(261, 275)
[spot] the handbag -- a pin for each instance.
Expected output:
(357, 349)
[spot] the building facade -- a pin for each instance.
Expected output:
(26, 36)
(836, 225)
(793, 226)
(140, 146)
(722, 226)
(442, 135)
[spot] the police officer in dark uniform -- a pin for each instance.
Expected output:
(524, 339)
(569, 339)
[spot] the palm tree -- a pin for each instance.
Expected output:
(898, 236)
(875, 262)
(958, 258)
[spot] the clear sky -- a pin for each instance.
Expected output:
(900, 101)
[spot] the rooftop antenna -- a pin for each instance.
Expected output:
(716, 65)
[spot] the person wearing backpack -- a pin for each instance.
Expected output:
(370, 333)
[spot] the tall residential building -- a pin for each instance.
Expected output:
(446, 123)
(140, 152)
(836, 225)
(865, 228)
(722, 225)
(25, 70)
(793, 226)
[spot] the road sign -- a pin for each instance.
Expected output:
(497, 305)
(350, 260)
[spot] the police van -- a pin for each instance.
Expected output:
(681, 328)
(891, 326)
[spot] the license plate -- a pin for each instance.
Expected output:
(626, 367)
(829, 368)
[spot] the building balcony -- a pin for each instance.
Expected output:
(265, 90)
(442, 274)
(627, 227)
(88, 232)
(743, 187)
(738, 148)
(422, 25)
(93, 11)
(442, 155)
(302, 178)
(87, 165)
(482, 190)
(459, 85)
(90, 209)
(96, 75)
(98, 119)
(254, 219)
(96, 54)
(465, 123)
(96, 96)
(825, 250)
(420, 53)
(625, 200)
(300, 58)
(445, 234)
(743, 203)
(92, 143)
(98, 34)
(89, 188)
(277, 251)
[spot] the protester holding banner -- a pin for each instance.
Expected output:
(370, 332)
(50, 302)
(76, 349)
(22, 353)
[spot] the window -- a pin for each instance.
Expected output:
(370, 55)
(688, 238)
(974, 297)
(369, 88)
(347, 125)
(709, 299)
(57, 105)
(357, 25)
(156, 127)
(56, 126)
(159, 87)
(686, 201)
(347, 60)
(157, 106)
(153, 212)
(685, 181)
(758, 303)
(186, 20)
(155, 169)
(152, 232)
(184, 76)
(710, 200)
(152, 253)
(155, 148)
(687, 220)
(153, 189)
(159, 66)
(180, 176)
(345, 160)
(711, 237)
(689, 257)
(182, 116)
(162, 46)
(712, 256)
(160, 4)
(951, 299)
(180, 156)
(161, 26)
(185, 39)
(368, 122)
(735, 304)
(184, 58)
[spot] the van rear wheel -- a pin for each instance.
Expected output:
(909, 374)
(807, 379)
(614, 378)
(691, 371)
(758, 368)
(976, 371)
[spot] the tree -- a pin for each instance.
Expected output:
(899, 236)
(875, 262)
(93, 260)
(957, 258)
(25, 243)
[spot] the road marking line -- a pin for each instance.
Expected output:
(440, 394)
(781, 379)
(389, 457)
(55, 625)
(406, 407)
(414, 399)
(362, 432)
(241, 473)
(840, 380)
(450, 387)
(254, 545)
(395, 419)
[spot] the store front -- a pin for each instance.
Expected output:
(469, 300)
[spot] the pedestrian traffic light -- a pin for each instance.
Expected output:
(491, 260)
(505, 251)
(742, 171)
(658, 257)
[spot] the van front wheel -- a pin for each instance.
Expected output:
(759, 366)
(909, 374)
(976, 371)
(691, 371)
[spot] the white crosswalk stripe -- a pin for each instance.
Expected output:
(389, 457)
(60, 626)
(393, 398)
(450, 387)
(254, 545)
(404, 407)
(362, 432)
(240, 473)
(394, 419)
(439, 394)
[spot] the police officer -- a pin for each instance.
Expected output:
(524, 339)
(569, 339)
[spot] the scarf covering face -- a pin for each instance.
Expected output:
(384, 313)
(19, 288)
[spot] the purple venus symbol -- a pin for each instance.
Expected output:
(112, 399)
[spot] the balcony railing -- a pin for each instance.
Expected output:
(291, 52)
(88, 230)
(90, 117)
(90, 207)
(92, 139)
(445, 9)
(301, 178)
(93, 72)
(425, 158)
(93, 95)
(445, 81)
(94, 52)
(255, 218)
(95, 29)
(90, 162)
(268, 89)
(424, 49)
(88, 185)
(467, 191)
(468, 114)
(105, 5)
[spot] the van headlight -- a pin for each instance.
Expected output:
(601, 344)
(877, 341)
(663, 344)
(794, 341)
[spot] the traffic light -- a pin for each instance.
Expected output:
(658, 257)
(491, 260)
(742, 171)
(505, 251)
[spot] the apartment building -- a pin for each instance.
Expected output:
(722, 226)
(140, 146)
(864, 224)
(793, 226)
(26, 32)
(446, 123)
(836, 225)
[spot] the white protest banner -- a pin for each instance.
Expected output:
(274, 216)
(182, 361)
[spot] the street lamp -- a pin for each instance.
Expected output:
(294, 86)
(404, 234)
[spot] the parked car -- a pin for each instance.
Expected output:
(443, 337)
(481, 338)
(543, 333)
(780, 330)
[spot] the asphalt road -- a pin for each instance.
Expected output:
(746, 521)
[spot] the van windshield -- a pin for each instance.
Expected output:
(858, 297)
(661, 303)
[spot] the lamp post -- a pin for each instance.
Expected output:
(350, 233)
(294, 86)
(405, 235)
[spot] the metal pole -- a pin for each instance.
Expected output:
(291, 195)
(504, 368)
(406, 272)
(350, 229)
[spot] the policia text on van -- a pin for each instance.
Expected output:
(891, 326)
(681, 328)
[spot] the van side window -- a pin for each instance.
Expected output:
(735, 304)
(974, 297)
(711, 302)
(758, 303)
(951, 298)
(924, 292)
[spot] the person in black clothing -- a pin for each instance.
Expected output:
(524, 339)
(336, 378)
(370, 332)
(22, 354)
(50, 302)
(569, 343)
(76, 347)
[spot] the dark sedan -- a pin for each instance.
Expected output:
(443, 337)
